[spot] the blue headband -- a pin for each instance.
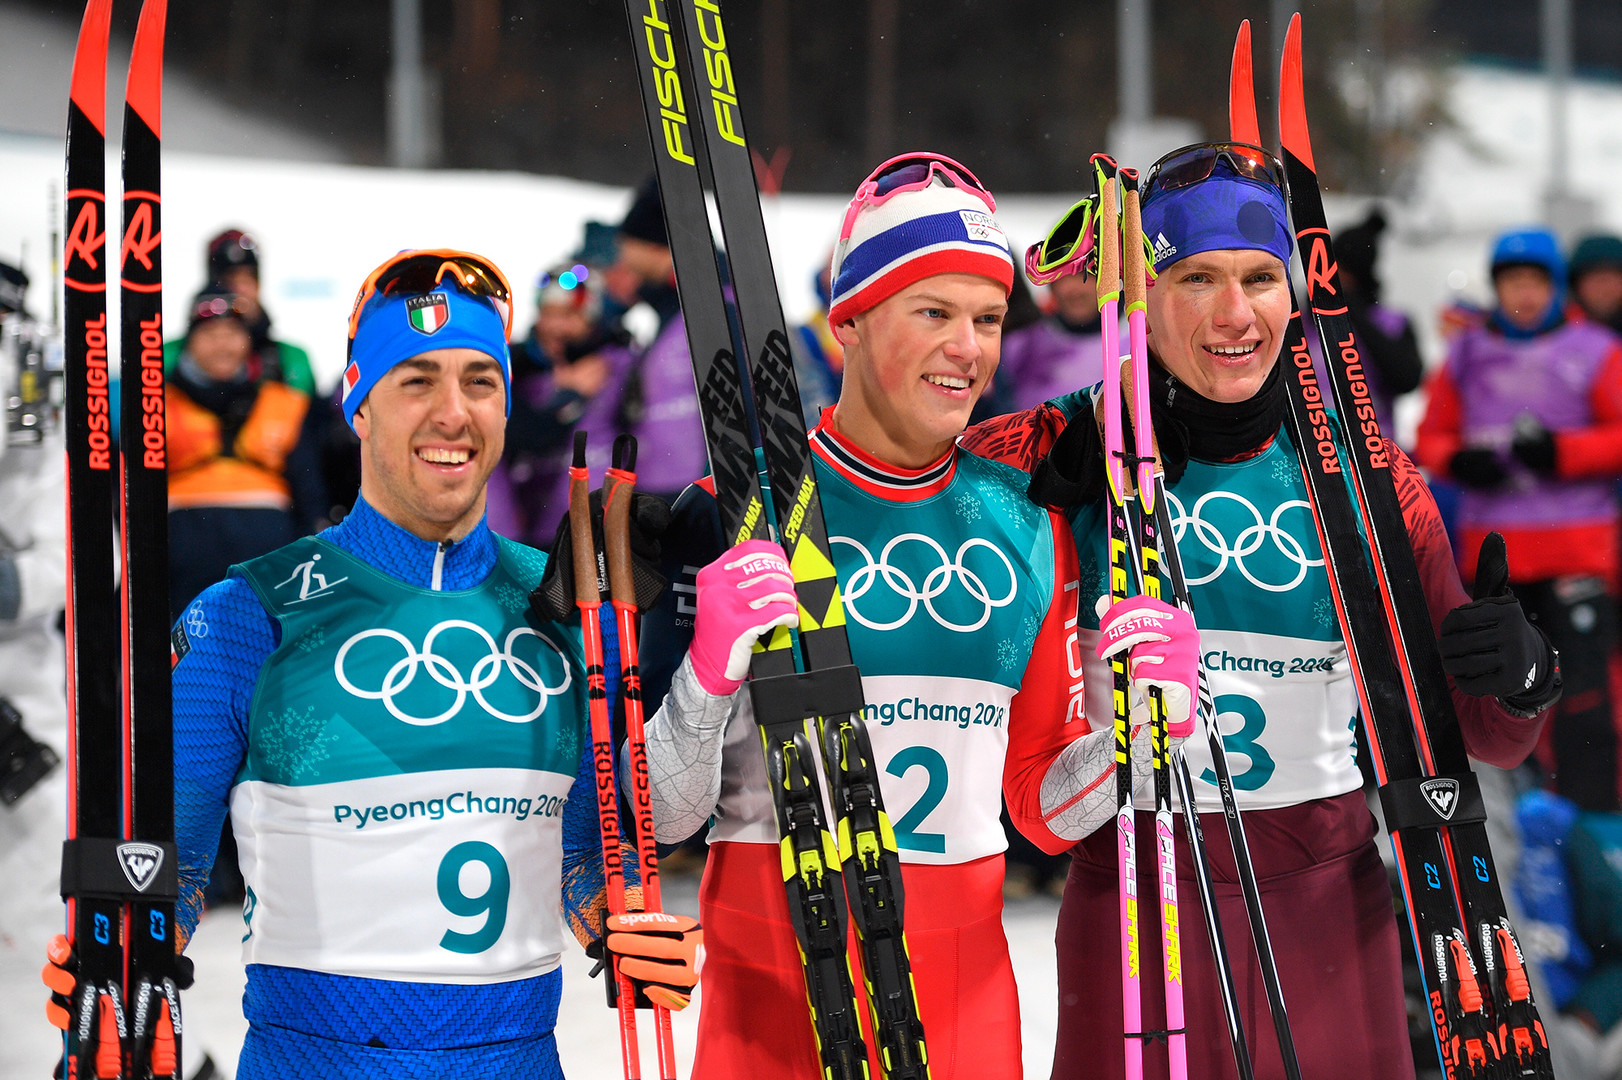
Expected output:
(397, 328)
(1223, 213)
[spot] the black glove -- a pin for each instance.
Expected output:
(1072, 473)
(1489, 647)
(1534, 445)
(1479, 468)
(554, 598)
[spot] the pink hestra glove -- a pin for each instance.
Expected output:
(1163, 650)
(746, 592)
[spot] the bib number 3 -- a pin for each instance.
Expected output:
(492, 902)
(1244, 742)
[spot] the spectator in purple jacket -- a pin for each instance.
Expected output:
(658, 403)
(569, 373)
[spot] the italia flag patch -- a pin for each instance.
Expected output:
(428, 313)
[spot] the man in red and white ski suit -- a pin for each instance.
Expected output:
(959, 597)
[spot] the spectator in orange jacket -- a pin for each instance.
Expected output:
(235, 467)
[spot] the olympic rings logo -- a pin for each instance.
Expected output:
(404, 671)
(1248, 542)
(935, 583)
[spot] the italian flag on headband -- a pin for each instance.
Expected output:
(428, 313)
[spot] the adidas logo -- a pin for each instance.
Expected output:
(1531, 677)
(1164, 249)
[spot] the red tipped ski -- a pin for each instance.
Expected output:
(118, 864)
(95, 1040)
(1242, 123)
(152, 997)
(1485, 1020)
(89, 89)
(1292, 102)
(144, 91)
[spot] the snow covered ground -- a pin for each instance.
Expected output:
(588, 1037)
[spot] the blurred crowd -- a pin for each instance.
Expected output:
(1521, 434)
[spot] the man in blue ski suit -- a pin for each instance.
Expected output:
(399, 741)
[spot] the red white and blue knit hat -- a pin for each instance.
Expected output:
(915, 232)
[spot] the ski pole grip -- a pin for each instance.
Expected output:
(587, 586)
(1109, 230)
(619, 486)
(1134, 272)
(1128, 386)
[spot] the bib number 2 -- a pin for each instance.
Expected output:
(906, 834)
(491, 903)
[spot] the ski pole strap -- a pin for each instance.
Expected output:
(807, 695)
(126, 870)
(1432, 802)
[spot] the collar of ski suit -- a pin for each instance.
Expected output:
(879, 478)
(377, 541)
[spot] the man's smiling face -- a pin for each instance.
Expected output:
(916, 364)
(432, 430)
(1217, 319)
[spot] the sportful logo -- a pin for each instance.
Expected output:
(140, 863)
(428, 313)
(1443, 795)
(485, 673)
(937, 582)
(1164, 249)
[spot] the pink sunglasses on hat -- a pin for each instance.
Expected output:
(911, 172)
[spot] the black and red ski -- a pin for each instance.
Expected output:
(1478, 995)
(118, 864)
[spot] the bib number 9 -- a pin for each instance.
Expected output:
(906, 834)
(492, 902)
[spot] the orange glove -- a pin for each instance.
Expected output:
(661, 954)
(60, 978)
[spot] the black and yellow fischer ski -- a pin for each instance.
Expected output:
(795, 678)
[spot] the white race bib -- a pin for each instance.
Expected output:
(450, 877)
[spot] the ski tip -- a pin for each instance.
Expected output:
(1242, 123)
(580, 449)
(143, 93)
(1292, 105)
(89, 89)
